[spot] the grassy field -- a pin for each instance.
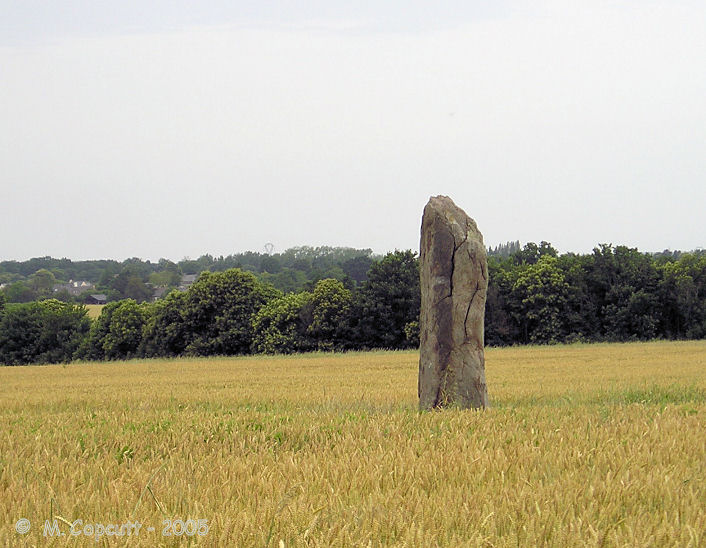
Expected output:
(94, 310)
(585, 445)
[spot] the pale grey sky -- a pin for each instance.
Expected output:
(175, 128)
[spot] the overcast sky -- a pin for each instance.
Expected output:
(178, 128)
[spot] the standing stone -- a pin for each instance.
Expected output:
(454, 283)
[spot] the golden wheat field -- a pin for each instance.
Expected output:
(585, 445)
(94, 310)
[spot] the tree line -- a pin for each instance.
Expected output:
(612, 294)
(229, 312)
(535, 296)
(295, 269)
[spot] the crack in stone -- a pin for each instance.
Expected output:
(437, 303)
(468, 310)
(453, 266)
(453, 259)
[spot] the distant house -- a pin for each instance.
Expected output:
(159, 293)
(97, 298)
(186, 281)
(74, 288)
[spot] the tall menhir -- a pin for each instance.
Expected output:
(454, 284)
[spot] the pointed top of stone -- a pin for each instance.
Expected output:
(461, 224)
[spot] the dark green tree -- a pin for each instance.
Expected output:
(387, 302)
(581, 316)
(91, 348)
(164, 333)
(42, 283)
(218, 312)
(117, 333)
(124, 336)
(137, 290)
(167, 274)
(47, 331)
(287, 280)
(20, 332)
(130, 284)
(280, 326)
(682, 294)
(357, 268)
(531, 253)
(271, 264)
(539, 293)
(623, 283)
(500, 329)
(330, 315)
(18, 292)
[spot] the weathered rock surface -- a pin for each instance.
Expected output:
(454, 284)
